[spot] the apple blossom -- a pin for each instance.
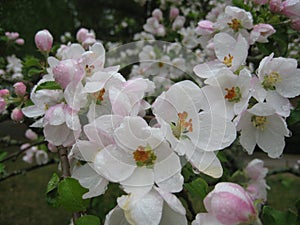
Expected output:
(12, 35)
(2, 105)
(280, 75)
(20, 41)
(41, 157)
(205, 27)
(157, 13)
(261, 32)
(4, 92)
(291, 8)
(178, 22)
(43, 40)
(20, 89)
(230, 204)
(260, 125)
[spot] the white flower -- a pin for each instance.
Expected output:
(196, 135)
(14, 64)
(260, 125)
(280, 75)
(142, 157)
(157, 207)
(231, 53)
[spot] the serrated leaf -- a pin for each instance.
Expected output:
(272, 216)
(88, 220)
(53, 183)
(49, 85)
(70, 195)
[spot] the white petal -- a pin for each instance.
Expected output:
(209, 69)
(116, 217)
(88, 178)
(110, 162)
(262, 109)
(33, 111)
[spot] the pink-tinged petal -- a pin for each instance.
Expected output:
(121, 104)
(255, 169)
(114, 164)
(58, 135)
(75, 51)
(55, 115)
(142, 178)
(209, 69)
(217, 132)
(116, 217)
(88, 178)
(206, 162)
(206, 219)
(33, 111)
(72, 121)
(143, 211)
(173, 202)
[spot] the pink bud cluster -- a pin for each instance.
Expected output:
(86, 37)
(14, 36)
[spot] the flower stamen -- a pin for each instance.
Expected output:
(235, 24)
(228, 60)
(183, 125)
(233, 94)
(144, 156)
(270, 81)
(259, 122)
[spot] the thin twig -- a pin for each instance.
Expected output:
(284, 170)
(23, 171)
(16, 154)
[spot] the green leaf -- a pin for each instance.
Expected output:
(34, 71)
(3, 155)
(2, 168)
(53, 183)
(70, 195)
(88, 220)
(49, 85)
(197, 190)
(31, 61)
(272, 216)
(51, 192)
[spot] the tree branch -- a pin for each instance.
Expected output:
(284, 170)
(23, 171)
(16, 154)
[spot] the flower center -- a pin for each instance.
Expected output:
(270, 81)
(144, 156)
(99, 95)
(183, 125)
(235, 24)
(228, 60)
(89, 69)
(160, 64)
(259, 122)
(233, 94)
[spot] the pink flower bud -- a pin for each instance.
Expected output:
(52, 148)
(291, 8)
(178, 22)
(43, 40)
(296, 24)
(161, 31)
(260, 2)
(2, 105)
(31, 135)
(81, 34)
(20, 41)
(205, 27)
(17, 115)
(256, 170)
(12, 35)
(261, 32)
(275, 5)
(174, 12)
(230, 204)
(20, 89)
(157, 13)
(67, 71)
(4, 92)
